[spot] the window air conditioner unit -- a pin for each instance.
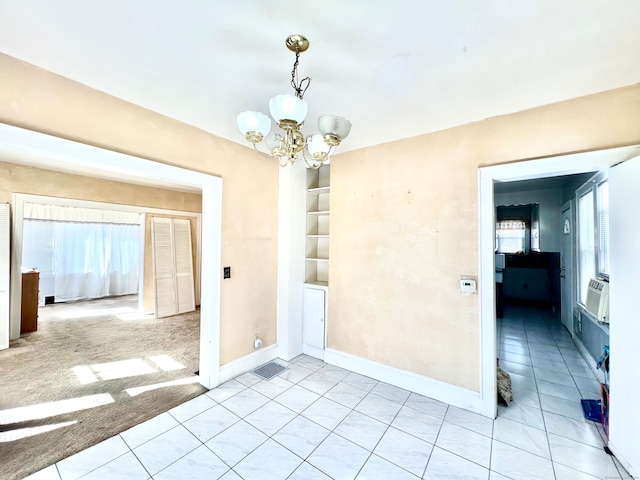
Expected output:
(598, 299)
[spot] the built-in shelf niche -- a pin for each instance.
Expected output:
(317, 239)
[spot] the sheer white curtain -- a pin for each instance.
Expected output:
(90, 253)
(586, 244)
(511, 236)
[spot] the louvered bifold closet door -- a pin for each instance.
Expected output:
(183, 265)
(164, 279)
(4, 276)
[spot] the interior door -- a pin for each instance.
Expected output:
(4, 276)
(164, 277)
(184, 265)
(172, 266)
(313, 319)
(624, 248)
(566, 270)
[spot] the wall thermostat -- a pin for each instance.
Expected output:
(468, 285)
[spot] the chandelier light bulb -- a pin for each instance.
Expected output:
(317, 147)
(254, 122)
(334, 128)
(288, 107)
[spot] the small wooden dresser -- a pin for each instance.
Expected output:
(29, 310)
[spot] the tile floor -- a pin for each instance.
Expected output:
(317, 421)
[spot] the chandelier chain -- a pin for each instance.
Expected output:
(299, 87)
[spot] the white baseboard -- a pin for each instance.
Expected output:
(248, 362)
(623, 461)
(589, 358)
(444, 392)
(313, 351)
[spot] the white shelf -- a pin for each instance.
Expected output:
(317, 234)
(319, 190)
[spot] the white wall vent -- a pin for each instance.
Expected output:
(598, 299)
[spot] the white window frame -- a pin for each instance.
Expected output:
(591, 186)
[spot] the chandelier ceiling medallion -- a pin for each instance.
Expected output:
(289, 111)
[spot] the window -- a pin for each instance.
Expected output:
(593, 232)
(603, 229)
(511, 236)
(517, 228)
(586, 243)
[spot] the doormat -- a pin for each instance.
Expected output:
(592, 409)
(269, 370)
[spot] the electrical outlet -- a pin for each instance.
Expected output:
(227, 272)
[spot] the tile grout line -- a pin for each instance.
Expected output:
(304, 460)
(350, 409)
(573, 379)
(434, 443)
(333, 430)
(544, 422)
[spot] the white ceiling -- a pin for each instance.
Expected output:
(545, 183)
(396, 69)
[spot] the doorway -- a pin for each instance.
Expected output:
(44, 151)
(488, 176)
(548, 167)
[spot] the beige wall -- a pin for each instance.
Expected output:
(404, 227)
(15, 178)
(41, 101)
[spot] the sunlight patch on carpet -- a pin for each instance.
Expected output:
(166, 363)
(182, 381)
(13, 435)
(50, 409)
(122, 369)
(128, 317)
(84, 374)
(87, 374)
(81, 313)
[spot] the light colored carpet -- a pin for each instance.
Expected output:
(90, 355)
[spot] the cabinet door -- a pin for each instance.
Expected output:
(314, 318)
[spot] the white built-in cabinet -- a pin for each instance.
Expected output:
(316, 291)
(314, 314)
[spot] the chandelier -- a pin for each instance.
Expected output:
(289, 111)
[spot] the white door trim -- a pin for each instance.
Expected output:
(527, 170)
(22, 146)
(569, 281)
